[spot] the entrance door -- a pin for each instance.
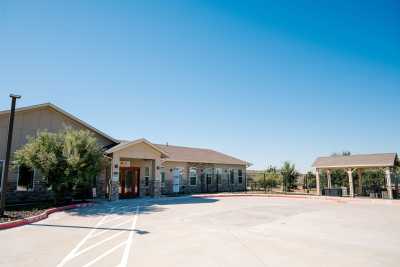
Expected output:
(129, 181)
(176, 180)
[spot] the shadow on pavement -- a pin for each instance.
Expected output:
(128, 206)
(140, 232)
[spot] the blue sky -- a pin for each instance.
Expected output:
(261, 80)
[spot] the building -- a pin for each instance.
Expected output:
(137, 168)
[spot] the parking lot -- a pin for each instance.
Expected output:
(220, 231)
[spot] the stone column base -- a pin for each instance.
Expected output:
(157, 188)
(114, 190)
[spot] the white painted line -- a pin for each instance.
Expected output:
(97, 244)
(72, 253)
(105, 254)
(124, 260)
(114, 228)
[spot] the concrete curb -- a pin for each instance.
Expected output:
(336, 199)
(41, 216)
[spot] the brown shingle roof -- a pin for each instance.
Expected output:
(366, 160)
(200, 155)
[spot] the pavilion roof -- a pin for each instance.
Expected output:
(361, 160)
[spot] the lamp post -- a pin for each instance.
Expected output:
(7, 163)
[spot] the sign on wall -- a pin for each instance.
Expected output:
(125, 163)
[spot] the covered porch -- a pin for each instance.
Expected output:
(358, 164)
(135, 169)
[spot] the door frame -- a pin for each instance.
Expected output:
(176, 183)
(122, 182)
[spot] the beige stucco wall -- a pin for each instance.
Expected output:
(138, 151)
(28, 123)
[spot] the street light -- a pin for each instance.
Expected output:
(7, 164)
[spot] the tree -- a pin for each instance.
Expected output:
(289, 175)
(343, 153)
(310, 180)
(272, 180)
(84, 159)
(68, 160)
(373, 180)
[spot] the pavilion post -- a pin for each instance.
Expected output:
(328, 176)
(389, 183)
(317, 182)
(351, 185)
(359, 174)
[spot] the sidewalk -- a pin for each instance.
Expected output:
(363, 200)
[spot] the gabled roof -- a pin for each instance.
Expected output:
(362, 160)
(126, 144)
(199, 155)
(60, 110)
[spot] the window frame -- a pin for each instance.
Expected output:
(240, 176)
(33, 181)
(163, 178)
(195, 176)
(231, 176)
(218, 175)
(146, 177)
(209, 173)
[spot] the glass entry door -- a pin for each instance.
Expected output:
(177, 174)
(129, 178)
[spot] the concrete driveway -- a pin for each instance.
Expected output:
(230, 231)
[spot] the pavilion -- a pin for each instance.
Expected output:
(359, 163)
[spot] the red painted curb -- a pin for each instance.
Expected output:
(41, 216)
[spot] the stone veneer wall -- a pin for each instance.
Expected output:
(40, 192)
(201, 185)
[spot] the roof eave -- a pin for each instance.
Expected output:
(65, 113)
(134, 142)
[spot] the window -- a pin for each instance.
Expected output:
(232, 176)
(1, 171)
(208, 178)
(177, 177)
(146, 176)
(240, 176)
(218, 174)
(162, 178)
(25, 179)
(193, 176)
(209, 172)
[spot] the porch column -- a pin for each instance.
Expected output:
(317, 182)
(328, 175)
(359, 173)
(389, 183)
(157, 177)
(351, 186)
(114, 181)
